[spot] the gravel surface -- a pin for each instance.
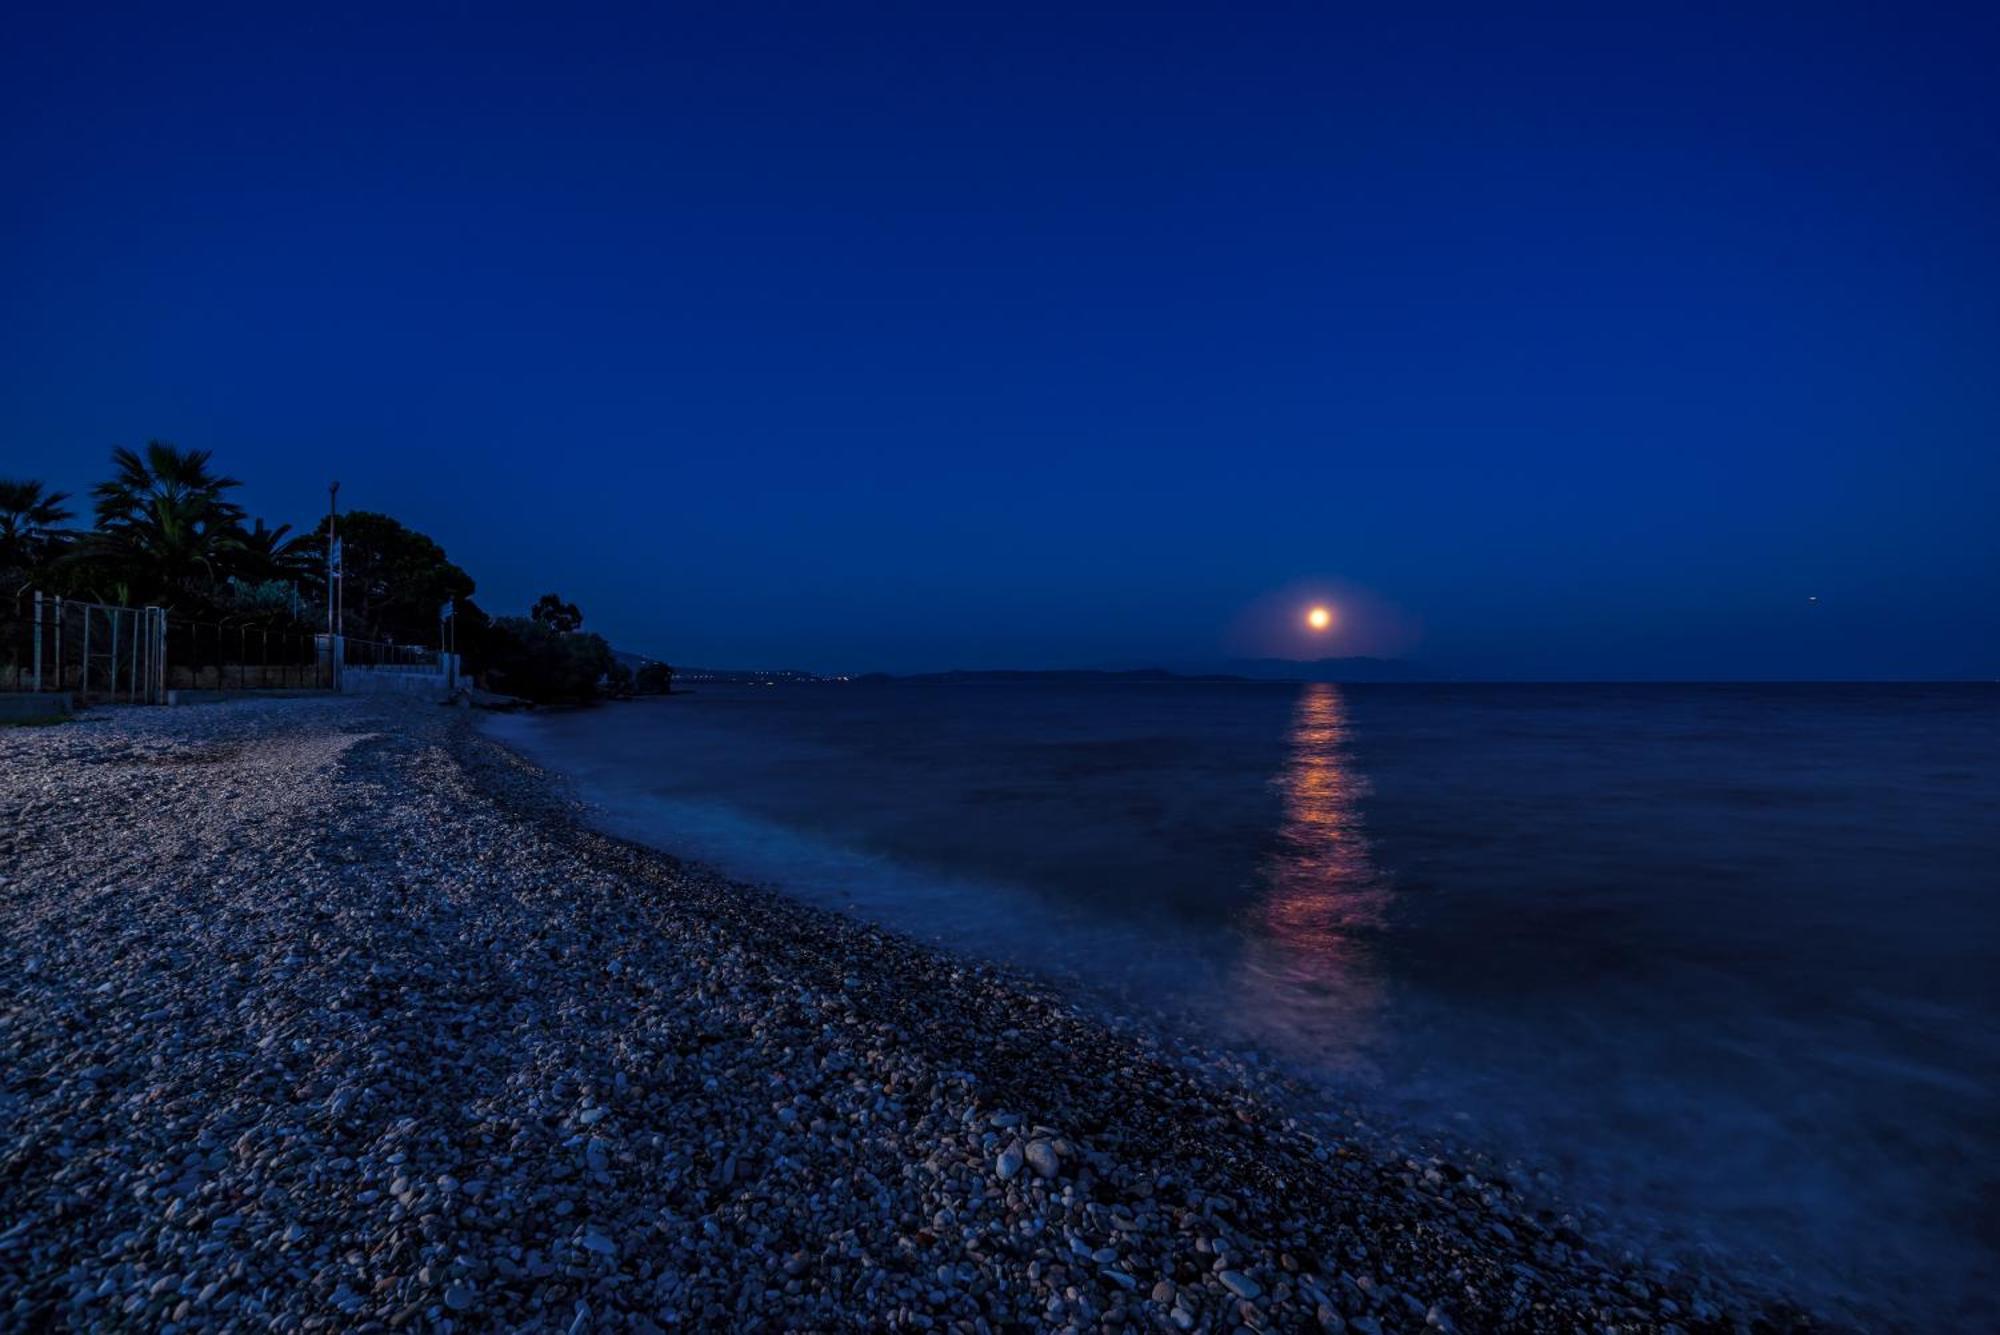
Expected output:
(329, 1014)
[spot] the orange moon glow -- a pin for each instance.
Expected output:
(1319, 618)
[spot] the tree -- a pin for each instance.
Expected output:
(394, 579)
(654, 678)
(531, 659)
(31, 519)
(557, 615)
(276, 554)
(165, 523)
(272, 603)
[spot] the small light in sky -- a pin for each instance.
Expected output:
(1319, 618)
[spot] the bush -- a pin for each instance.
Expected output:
(654, 679)
(536, 662)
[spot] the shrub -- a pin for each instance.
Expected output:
(654, 679)
(530, 659)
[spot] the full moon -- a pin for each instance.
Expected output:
(1319, 618)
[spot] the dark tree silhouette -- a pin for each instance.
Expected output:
(31, 519)
(532, 659)
(394, 579)
(165, 523)
(654, 678)
(276, 553)
(559, 616)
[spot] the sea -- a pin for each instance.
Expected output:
(1722, 961)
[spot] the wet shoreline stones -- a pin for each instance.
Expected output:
(329, 1014)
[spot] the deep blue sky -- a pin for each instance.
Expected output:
(1590, 342)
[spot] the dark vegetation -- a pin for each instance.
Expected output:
(653, 679)
(533, 658)
(166, 531)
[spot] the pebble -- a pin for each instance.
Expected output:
(332, 1034)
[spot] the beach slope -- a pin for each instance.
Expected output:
(329, 1013)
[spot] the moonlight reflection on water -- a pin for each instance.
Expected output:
(1307, 979)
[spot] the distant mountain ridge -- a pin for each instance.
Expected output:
(749, 676)
(1358, 669)
(1237, 669)
(970, 675)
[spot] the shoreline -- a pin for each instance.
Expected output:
(437, 1051)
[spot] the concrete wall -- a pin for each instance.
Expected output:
(396, 681)
(433, 684)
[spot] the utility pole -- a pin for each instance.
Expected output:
(332, 559)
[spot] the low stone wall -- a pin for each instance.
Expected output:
(434, 682)
(398, 681)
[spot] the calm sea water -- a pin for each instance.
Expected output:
(1723, 959)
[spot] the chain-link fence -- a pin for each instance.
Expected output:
(104, 652)
(94, 651)
(204, 656)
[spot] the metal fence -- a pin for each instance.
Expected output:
(384, 654)
(96, 651)
(204, 656)
(103, 652)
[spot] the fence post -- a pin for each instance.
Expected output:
(156, 635)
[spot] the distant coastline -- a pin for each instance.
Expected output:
(1236, 670)
(1356, 669)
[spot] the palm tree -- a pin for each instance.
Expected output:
(30, 522)
(164, 522)
(269, 553)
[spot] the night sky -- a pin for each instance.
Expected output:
(1554, 343)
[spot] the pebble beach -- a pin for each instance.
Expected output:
(333, 1013)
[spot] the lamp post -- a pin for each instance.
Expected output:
(332, 557)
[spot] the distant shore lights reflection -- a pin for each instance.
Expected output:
(1308, 976)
